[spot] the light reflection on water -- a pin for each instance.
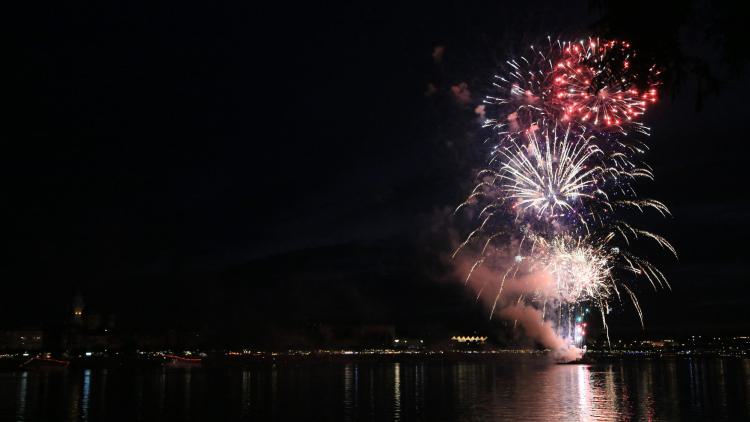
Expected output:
(511, 389)
(21, 400)
(349, 391)
(247, 377)
(396, 391)
(86, 392)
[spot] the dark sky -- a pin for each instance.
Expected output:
(284, 162)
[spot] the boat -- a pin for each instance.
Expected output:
(176, 361)
(39, 362)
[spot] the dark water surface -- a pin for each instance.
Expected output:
(506, 389)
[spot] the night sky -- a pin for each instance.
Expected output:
(222, 164)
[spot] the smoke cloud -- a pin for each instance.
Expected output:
(461, 93)
(437, 53)
(486, 282)
(480, 111)
(542, 331)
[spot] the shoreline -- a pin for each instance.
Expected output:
(230, 359)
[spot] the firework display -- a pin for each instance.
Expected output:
(592, 84)
(566, 152)
(596, 84)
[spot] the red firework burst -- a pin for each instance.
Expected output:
(593, 83)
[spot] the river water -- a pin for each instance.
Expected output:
(517, 388)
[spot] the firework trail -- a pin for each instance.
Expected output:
(565, 157)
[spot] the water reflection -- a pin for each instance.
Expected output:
(21, 398)
(529, 389)
(584, 391)
(85, 395)
(547, 392)
(102, 390)
(696, 384)
(419, 388)
(74, 399)
(187, 390)
(349, 386)
(721, 386)
(371, 396)
(670, 380)
(396, 391)
(274, 390)
(645, 391)
(138, 384)
(161, 382)
(247, 378)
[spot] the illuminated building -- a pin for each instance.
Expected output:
(468, 342)
(408, 344)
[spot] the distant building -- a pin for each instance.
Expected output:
(29, 340)
(666, 344)
(468, 342)
(408, 344)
